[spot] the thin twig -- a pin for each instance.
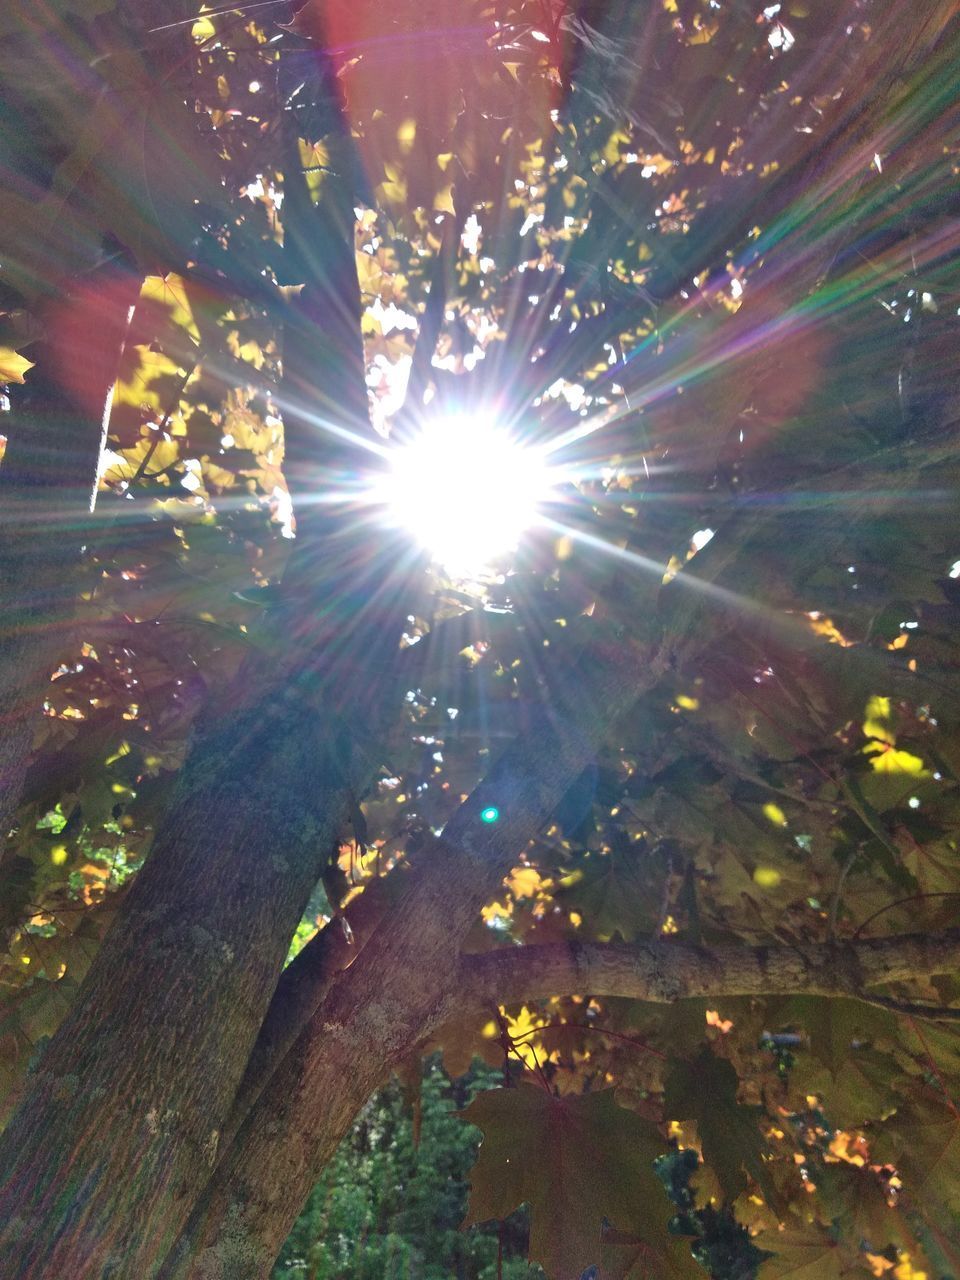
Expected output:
(161, 428)
(215, 13)
(588, 1026)
(934, 1068)
(838, 895)
(900, 902)
(932, 1012)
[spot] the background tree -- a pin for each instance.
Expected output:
(705, 256)
(392, 1199)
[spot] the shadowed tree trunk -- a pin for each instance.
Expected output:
(115, 1153)
(268, 785)
(384, 1005)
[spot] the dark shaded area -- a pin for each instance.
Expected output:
(387, 1207)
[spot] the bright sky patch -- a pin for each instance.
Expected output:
(466, 491)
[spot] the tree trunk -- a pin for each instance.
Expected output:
(384, 1005)
(404, 983)
(120, 1124)
(119, 1128)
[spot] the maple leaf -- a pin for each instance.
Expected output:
(861, 1091)
(833, 1024)
(462, 1039)
(577, 1161)
(854, 1198)
(12, 365)
(705, 1090)
(625, 1256)
(923, 1140)
(801, 1254)
(613, 895)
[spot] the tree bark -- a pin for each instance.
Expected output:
(380, 1008)
(99, 1188)
(165, 1022)
(667, 971)
(314, 1094)
(302, 987)
(400, 989)
(120, 1124)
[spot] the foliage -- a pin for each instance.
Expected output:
(707, 251)
(387, 1205)
(393, 1198)
(576, 1160)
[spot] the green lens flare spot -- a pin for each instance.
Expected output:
(490, 814)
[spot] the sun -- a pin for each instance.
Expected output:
(466, 491)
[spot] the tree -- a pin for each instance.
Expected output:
(665, 806)
(392, 1199)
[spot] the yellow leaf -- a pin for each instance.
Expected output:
(169, 291)
(202, 30)
(826, 627)
(905, 1271)
(775, 814)
(876, 722)
(144, 384)
(494, 912)
(443, 200)
(616, 143)
(406, 136)
(890, 760)
(524, 882)
(12, 365)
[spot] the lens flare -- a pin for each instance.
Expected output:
(466, 491)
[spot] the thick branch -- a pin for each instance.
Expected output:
(302, 986)
(668, 971)
(397, 991)
(394, 993)
(431, 321)
(324, 390)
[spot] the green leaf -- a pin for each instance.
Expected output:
(577, 1161)
(923, 1141)
(625, 1256)
(861, 1091)
(833, 1024)
(805, 1255)
(855, 1200)
(612, 895)
(705, 1090)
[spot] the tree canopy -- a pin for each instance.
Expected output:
(658, 811)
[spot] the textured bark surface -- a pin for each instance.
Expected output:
(677, 971)
(300, 990)
(399, 988)
(164, 1023)
(380, 1008)
(121, 1124)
